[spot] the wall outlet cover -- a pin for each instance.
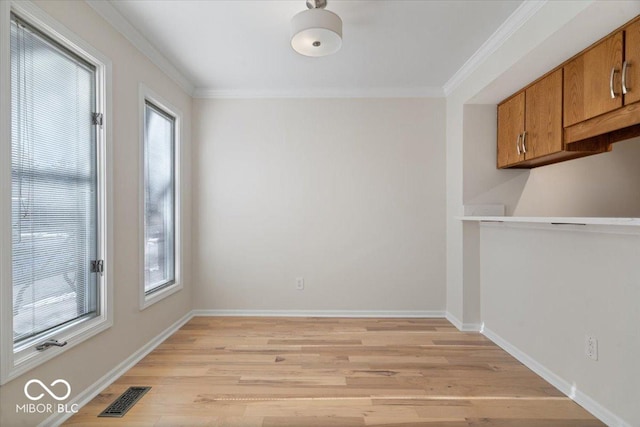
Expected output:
(591, 347)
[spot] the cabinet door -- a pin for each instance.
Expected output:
(588, 81)
(543, 117)
(510, 129)
(632, 59)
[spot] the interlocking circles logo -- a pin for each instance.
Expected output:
(47, 389)
(35, 390)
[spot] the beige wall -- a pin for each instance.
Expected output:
(347, 193)
(545, 289)
(483, 182)
(605, 185)
(87, 362)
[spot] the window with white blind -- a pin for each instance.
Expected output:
(57, 195)
(160, 143)
(53, 184)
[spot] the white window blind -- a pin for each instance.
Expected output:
(53, 184)
(159, 198)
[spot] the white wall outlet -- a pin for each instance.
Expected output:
(591, 347)
(299, 283)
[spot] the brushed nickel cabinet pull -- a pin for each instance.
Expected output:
(613, 92)
(625, 64)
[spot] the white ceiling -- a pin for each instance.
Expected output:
(241, 48)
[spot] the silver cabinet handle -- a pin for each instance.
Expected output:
(524, 146)
(613, 93)
(625, 64)
(518, 144)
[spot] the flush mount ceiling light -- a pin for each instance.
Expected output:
(316, 32)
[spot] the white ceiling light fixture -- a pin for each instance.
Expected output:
(316, 32)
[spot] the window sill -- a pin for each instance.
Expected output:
(29, 358)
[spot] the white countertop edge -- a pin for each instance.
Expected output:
(634, 222)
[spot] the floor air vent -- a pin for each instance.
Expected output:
(122, 404)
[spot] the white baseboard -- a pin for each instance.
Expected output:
(464, 327)
(471, 327)
(322, 313)
(596, 409)
(93, 390)
(454, 320)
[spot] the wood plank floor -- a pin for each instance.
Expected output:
(334, 372)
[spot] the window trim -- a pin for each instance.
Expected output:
(15, 363)
(145, 94)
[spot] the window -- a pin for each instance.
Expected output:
(55, 279)
(53, 184)
(159, 156)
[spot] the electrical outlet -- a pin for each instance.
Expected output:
(300, 283)
(591, 347)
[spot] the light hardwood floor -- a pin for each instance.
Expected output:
(334, 372)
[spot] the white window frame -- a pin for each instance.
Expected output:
(145, 94)
(16, 361)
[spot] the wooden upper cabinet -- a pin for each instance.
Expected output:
(632, 61)
(510, 130)
(543, 117)
(590, 78)
(578, 109)
(530, 124)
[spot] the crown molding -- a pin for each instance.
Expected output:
(419, 92)
(517, 19)
(105, 9)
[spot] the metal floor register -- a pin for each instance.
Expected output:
(122, 404)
